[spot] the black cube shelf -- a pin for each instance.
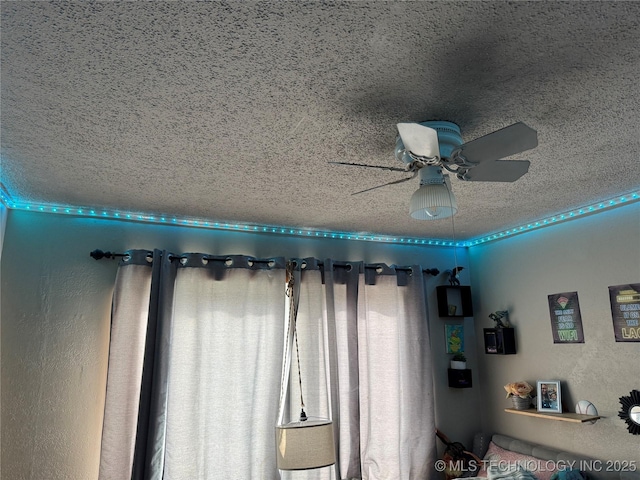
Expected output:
(460, 378)
(500, 341)
(454, 301)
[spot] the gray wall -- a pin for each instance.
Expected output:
(586, 255)
(55, 328)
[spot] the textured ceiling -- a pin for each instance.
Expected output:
(230, 111)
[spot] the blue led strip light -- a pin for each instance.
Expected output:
(562, 217)
(214, 225)
(311, 233)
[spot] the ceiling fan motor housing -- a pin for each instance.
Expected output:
(449, 136)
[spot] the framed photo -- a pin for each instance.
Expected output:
(549, 399)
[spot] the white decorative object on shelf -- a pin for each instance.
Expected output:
(585, 407)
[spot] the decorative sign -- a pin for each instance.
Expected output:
(566, 322)
(454, 335)
(625, 310)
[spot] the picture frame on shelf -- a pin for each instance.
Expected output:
(549, 398)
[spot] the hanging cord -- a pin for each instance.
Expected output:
(293, 315)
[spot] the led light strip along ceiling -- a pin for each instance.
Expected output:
(303, 232)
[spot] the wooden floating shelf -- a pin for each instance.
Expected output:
(563, 417)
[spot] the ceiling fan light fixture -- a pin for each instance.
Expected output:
(432, 202)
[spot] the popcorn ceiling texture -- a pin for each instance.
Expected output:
(230, 111)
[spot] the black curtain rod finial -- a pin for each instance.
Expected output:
(97, 254)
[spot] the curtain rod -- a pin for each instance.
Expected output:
(429, 271)
(98, 254)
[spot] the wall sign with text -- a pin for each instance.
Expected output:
(625, 310)
(566, 322)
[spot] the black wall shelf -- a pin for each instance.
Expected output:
(454, 301)
(460, 378)
(500, 341)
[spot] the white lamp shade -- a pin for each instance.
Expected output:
(432, 202)
(305, 445)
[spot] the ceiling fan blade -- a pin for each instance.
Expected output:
(393, 169)
(419, 139)
(497, 171)
(502, 143)
(390, 183)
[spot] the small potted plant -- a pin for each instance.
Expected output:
(459, 361)
(520, 394)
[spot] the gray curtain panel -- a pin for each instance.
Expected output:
(130, 308)
(397, 422)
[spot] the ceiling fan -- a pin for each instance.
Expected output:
(428, 147)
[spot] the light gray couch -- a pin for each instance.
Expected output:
(599, 472)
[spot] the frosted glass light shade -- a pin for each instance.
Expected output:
(432, 202)
(305, 445)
